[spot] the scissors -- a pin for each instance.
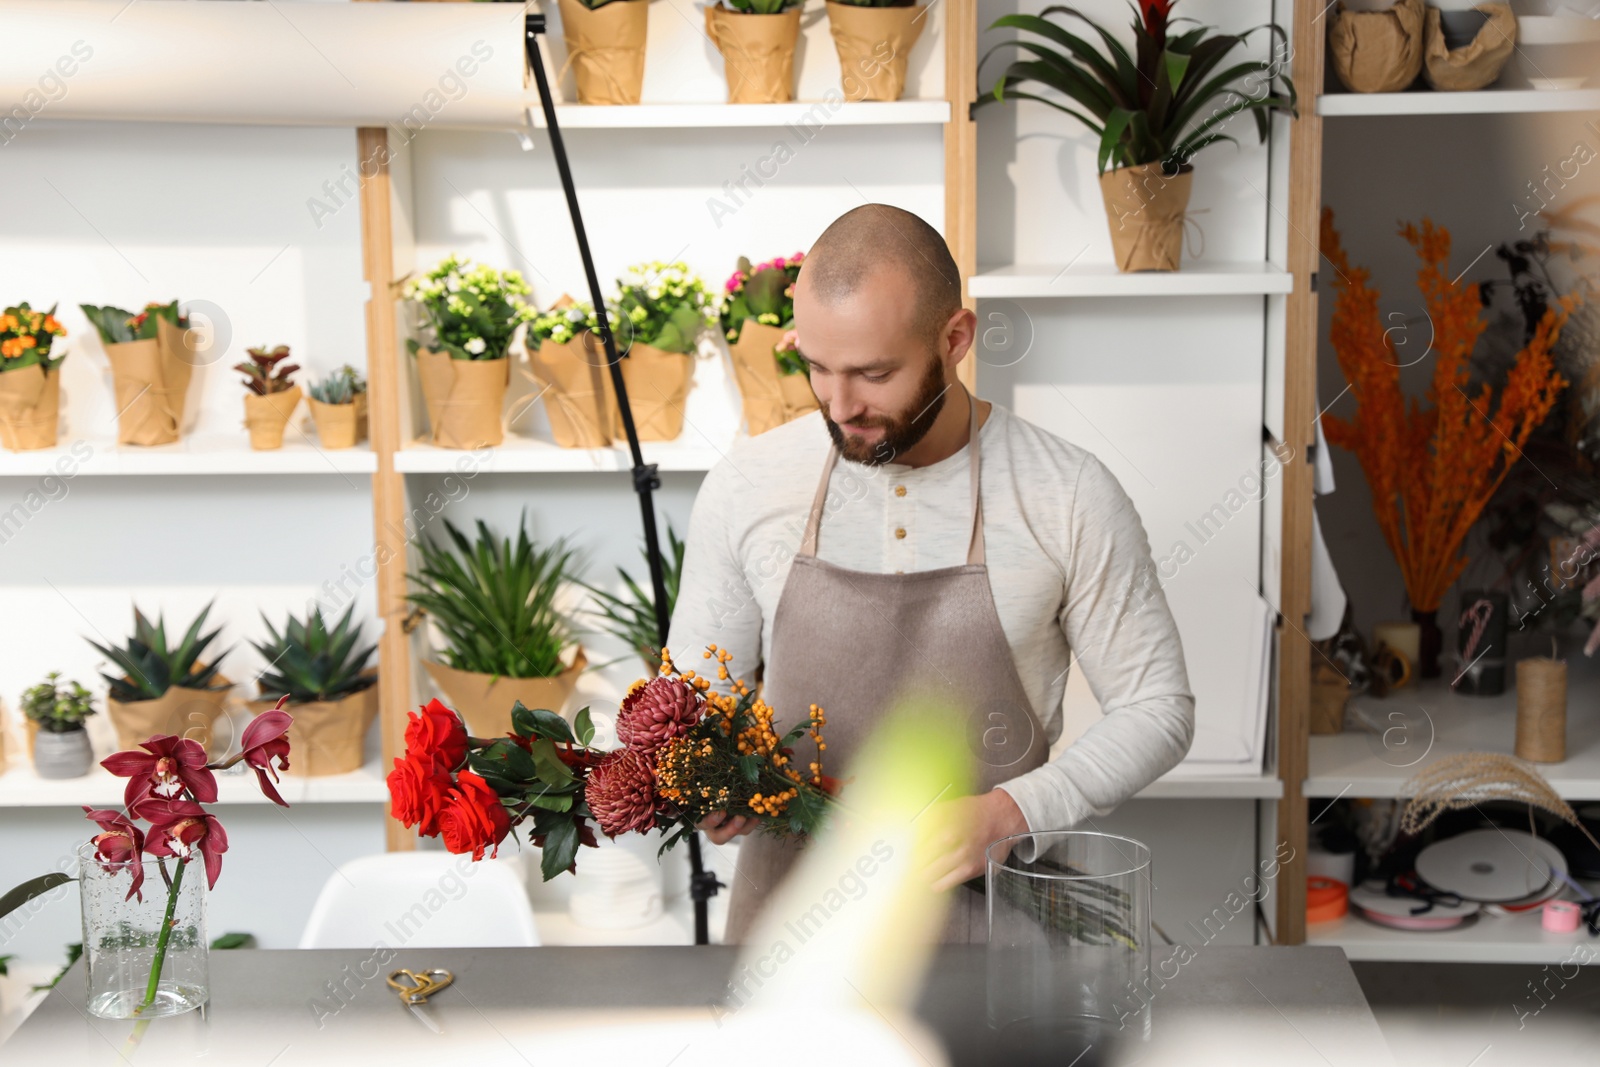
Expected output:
(415, 987)
(1409, 885)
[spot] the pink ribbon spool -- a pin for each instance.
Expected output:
(1560, 916)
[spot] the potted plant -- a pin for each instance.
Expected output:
(339, 408)
(468, 317)
(631, 619)
(757, 309)
(505, 641)
(162, 689)
(331, 691)
(151, 364)
(757, 40)
(55, 715)
(30, 378)
(272, 397)
(667, 309)
(874, 40)
(1151, 109)
(569, 368)
(606, 47)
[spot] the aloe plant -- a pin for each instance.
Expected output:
(149, 668)
(339, 387)
(632, 618)
(308, 662)
(494, 602)
(1161, 103)
(266, 372)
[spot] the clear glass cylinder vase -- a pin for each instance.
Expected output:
(122, 938)
(1069, 938)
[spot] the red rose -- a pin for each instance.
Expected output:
(473, 819)
(437, 732)
(417, 789)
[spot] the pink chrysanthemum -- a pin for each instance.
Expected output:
(621, 793)
(655, 713)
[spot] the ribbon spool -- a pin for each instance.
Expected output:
(1326, 899)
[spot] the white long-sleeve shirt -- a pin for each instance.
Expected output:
(1069, 568)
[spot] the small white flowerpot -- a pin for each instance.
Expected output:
(62, 755)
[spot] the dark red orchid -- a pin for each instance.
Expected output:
(119, 842)
(267, 739)
(168, 766)
(179, 827)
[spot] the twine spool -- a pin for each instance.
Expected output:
(1542, 709)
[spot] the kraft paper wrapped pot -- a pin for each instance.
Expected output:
(190, 713)
(328, 736)
(874, 44)
(605, 47)
(30, 408)
(757, 52)
(339, 425)
(1377, 51)
(1145, 211)
(770, 397)
(266, 416)
(151, 379)
(485, 701)
(464, 398)
(658, 387)
(1478, 64)
(573, 381)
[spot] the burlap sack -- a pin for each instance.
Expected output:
(327, 736)
(187, 713)
(757, 52)
(151, 379)
(30, 408)
(1476, 65)
(771, 398)
(484, 701)
(864, 36)
(658, 387)
(605, 47)
(1377, 51)
(1145, 210)
(575, 384)
(266, 416)
(338, 425)
(464, 398)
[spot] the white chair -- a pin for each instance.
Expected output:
(424, 899)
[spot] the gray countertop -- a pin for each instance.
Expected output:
(595, 1005)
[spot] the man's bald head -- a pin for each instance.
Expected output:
(876, 237)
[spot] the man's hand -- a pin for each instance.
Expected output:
(966, 827)
(721, 828)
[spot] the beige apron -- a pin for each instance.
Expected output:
(850, 640)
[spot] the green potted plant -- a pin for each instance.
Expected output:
(631, 619)
(56, 714)
(606, 48)
(756, 311)
(569, 369)
(152, 362)
(467, 318)
(874, 39)
(494, 605)
(164, 689)
(757, 40)
(271, 397)
(667, 308)
(1152, 110)
(339, 408)
(30, 378)
(333, 694)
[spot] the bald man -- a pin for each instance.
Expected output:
(909, 532)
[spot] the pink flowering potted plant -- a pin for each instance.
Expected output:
(757, 316)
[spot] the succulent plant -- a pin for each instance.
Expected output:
(308, 662)
(340, 386)
(264, 374)
(150, 668)
(57, 708)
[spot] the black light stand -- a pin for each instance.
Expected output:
(703, 884)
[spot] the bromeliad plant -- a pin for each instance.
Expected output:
(309, 663)
(688, 751)
(117, 326)
(266, 372)
(56, 708)
(469, 312)
(26, 337)
(665, 305)
(631, 619)
(149, 667)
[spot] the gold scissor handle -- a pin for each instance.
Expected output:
(420, 985)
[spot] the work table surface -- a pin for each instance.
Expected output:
(545, 1005)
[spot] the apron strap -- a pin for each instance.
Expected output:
(975, 546)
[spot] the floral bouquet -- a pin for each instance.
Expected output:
(30, 384)
(688, 751)
(756, 313)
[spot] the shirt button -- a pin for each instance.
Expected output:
(899, 490)
(900, 532)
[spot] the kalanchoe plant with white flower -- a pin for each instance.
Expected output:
(561, 324)
(666, 306)
(468, 311)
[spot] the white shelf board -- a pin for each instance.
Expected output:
(1035, 280)
(714, 115)
(1213, 787)
(531, 455)
(20, 787)
(1428, 721)
(1491, 939)
(1482, 102)
(195, 454)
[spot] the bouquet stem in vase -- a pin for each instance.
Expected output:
(145, 953)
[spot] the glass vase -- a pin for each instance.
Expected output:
(132, 971)
(1069, 939)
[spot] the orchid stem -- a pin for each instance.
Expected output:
(161, 941)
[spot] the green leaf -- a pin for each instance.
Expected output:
(750, 767)
(560, 848)
(505, 759)
(540, 722)
(552, 801)
(585, 727)
(550, 768)
(234, 940)
(35, 887)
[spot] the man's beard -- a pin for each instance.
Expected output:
(899, 435)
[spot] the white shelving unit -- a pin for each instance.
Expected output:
(531, 455)
(1041, 281)
(20, 787)
(1483, 102)
(710, 116)
(196, 454)
(1488, 939)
